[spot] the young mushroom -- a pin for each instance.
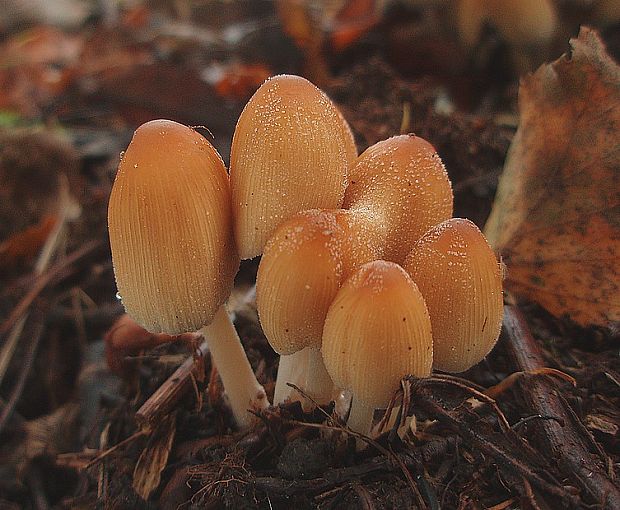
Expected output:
(376, 332)
(302, 268)
(403, 185)
(174, 256)
(398, 189)
(460, 278)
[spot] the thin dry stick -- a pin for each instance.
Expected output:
(168, 394)
(68, 210)
(570, 444)
(116, 447)
(35, 329)
(61, 270)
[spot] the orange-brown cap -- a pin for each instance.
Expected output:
(170, 225)
(377, 331)
(460, 279)
(301, 270)
(404, 179)
(289, 154)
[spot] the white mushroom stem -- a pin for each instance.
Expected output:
(306, 370)
(361, 417)
(243, 390)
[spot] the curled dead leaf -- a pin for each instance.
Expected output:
(556, 217)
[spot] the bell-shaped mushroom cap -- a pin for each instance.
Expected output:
(301, 270)
(404, 179)
(377, 331)
(289, 154)
(170, 227)
(460, 279)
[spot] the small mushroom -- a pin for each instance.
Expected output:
(302, 268)
(460, 279)
(376, 332)
(290, 153)
(174, 257)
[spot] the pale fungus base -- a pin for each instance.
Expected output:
(244, 392)
(306, 370)
(377, 331)
(290, 152)
(460, 279)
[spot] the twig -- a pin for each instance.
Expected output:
(34, 329)
(116, 447)
(387, 453)
(58, 272)
(570, 444)
(168, 394)
(518, 462)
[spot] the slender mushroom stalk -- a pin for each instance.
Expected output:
(460, 279)
(291, 152)
(398, 189)
(174, 256)
(377, 331)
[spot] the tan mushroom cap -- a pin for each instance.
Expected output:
(404, 181)
(289, 154)
(302, 268)
(377, 331)
(460, 279)
(170, 227)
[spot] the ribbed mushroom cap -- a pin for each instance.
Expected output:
(301, 270)
(170, 227)
(404, 180)
(460, 279)
(377, 331)
(289, 154)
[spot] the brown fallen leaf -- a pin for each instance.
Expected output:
(556, 217)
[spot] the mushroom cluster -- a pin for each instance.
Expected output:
(390, 285)
(364, 278)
